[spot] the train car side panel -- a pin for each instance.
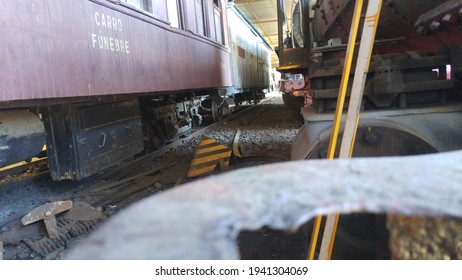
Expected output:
(250, 55)
(87, 48)
(69, 39)
(13, 67)
(263, 65)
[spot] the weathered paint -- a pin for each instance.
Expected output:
(251, 57)
(53, 49)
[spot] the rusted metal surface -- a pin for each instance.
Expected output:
(425, 238)
(96, 47)
(83, 211)
(47, 213)
(201, 220)
(448, 12)
(332, 19)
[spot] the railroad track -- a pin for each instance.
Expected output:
(19, 171)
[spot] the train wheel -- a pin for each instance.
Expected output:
(363, 236)
(294, 103)
(156, 137)
(159, 131)
(217, 111)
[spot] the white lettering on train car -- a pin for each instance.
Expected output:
(109, 42)
(108, 21)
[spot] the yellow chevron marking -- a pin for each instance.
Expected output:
(210, 158)
(207, 158)
(206, 141)
(201, 151)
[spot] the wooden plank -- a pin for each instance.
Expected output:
(138, 185)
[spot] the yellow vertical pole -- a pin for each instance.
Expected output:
(314, 237)
(352, 118)
(339, 108)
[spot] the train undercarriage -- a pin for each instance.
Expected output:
(84, 137)
(411, 105)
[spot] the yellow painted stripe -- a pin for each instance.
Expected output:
(206, 141)
(197, 161)
(289, 67)
(213, 163)
(208, 155)
(201, 171)
(211, 149)
(196, 171)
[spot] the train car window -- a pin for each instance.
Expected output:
(174, 12)
(134, 3)
(159, 9)
(144, 5)
(200, 19)
(217, 19)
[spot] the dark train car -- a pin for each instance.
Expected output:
(412, 99)
(95, 78)
(401, 23)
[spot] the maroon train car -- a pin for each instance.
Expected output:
(90, 77)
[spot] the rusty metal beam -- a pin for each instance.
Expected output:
(202, 219)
